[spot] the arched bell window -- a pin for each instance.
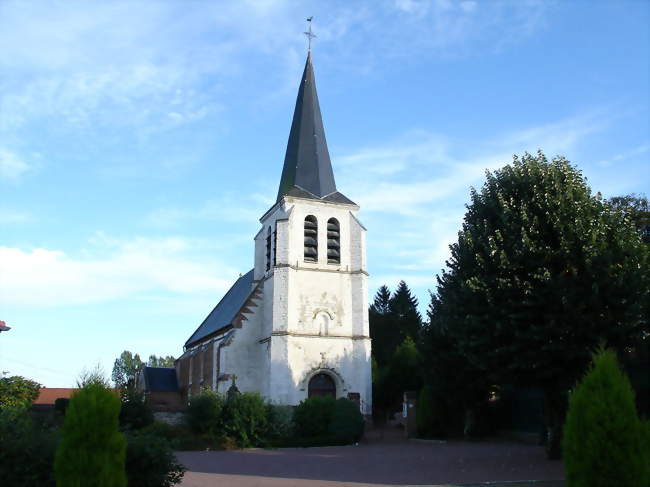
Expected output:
(333, 241)
(311, 239)
(268, 249)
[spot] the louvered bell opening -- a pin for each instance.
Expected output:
(333, 243)
(311, 254)
(311, 239)
(333, 256)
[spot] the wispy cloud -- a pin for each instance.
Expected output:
(12, 166)
(623, 156)
(110, 269)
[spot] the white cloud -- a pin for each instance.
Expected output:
(109, 270)
(623, 156)
(11, 165)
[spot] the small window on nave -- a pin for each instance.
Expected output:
(268, 250)
(333, 241)
(311, 239)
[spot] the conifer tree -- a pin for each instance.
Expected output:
(603, 440)
(384, 333)
(92, 451)
(403, 308)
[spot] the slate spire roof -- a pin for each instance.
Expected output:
(307, 170)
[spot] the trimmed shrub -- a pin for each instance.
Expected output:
(91, 451)
(203, 414)
(27, 450)
(279, 420)
(313, 416)
(150, 462)
(425, 414)
(346, 421)
(135, 413)
(244, 418)
(603, 438)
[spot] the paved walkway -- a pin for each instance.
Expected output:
(377, 462)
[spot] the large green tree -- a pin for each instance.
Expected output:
(541, 273)
(126, 369)
(636, 208)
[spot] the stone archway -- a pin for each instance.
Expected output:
(321, 384)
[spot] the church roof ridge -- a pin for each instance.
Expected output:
(307, 170)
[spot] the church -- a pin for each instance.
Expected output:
(296, 325)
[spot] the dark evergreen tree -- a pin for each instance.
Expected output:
(403, 308)
(383, 330)
(541, 273)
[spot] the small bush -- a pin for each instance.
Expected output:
(313, 416)
(27, 450)
(244, 418)
(204, 413)
(135, 413)
(346, 421)
(150, 462)
(91, 451)
(603, 438)
(279, 420)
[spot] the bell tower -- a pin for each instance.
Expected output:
(310, 263)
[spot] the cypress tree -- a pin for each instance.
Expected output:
(603, 438)
(92, 451)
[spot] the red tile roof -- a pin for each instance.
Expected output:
(47, 395)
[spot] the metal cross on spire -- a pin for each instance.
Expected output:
(310, 35)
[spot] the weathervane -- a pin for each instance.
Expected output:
(310, 35)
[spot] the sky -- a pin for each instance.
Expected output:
(141, 141)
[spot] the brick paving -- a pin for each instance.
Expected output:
(378, 461)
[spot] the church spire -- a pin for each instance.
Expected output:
(307, 170)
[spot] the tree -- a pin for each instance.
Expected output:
(17, 391)
(541, 273)
(403, 308)
(635, 208)
(603, 440)
(92, 451)
(383, 331)
(161, 361)
(126, 369)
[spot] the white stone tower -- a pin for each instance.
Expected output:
(310, 266)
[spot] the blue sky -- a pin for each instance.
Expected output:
(141, 141)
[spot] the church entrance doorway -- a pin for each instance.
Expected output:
(322, 385)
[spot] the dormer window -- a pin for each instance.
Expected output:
(311, 239)
(333, 241)
(268, 250)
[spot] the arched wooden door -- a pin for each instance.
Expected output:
(322, 385)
